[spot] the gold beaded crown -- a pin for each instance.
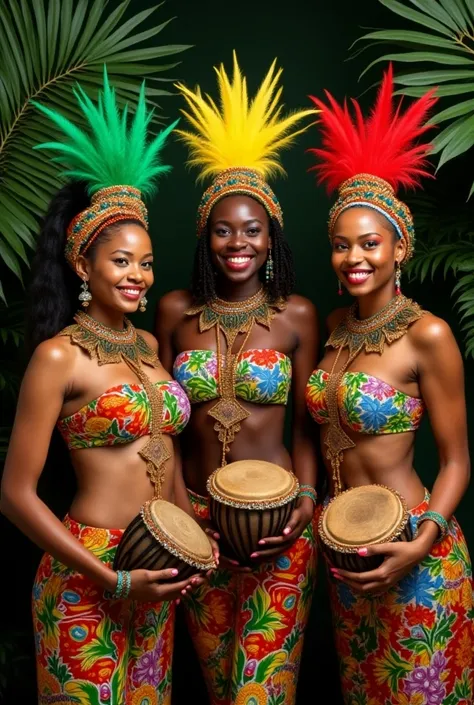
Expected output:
(238, 142)
(113, 157)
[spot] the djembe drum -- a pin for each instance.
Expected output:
(250, 500)
(361, 517)
(163, 536)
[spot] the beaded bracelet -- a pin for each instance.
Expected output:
(123, 587)
(308, 491)
(438, 519)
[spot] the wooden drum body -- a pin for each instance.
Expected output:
(163, 536)
(360, 517)
(250, 500)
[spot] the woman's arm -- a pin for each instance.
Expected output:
(441, 379)
(305, 325)
(304, 361)
(44, 387)
(169, 312)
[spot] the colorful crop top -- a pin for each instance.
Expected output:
(263, 376)
(122, 414)
(366, 403)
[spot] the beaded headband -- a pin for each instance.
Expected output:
(108, 205)
(238, 181)
(365, 190)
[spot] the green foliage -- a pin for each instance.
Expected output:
(445, 50)
(445, 245)
(439, 52)
(48, 45)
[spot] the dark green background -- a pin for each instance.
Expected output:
(311, 42)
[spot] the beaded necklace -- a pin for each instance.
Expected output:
(232, 318)
(369, 335)
(111, 346)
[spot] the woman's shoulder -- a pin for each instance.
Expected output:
(301, 307)
(173, 305)
(430, 330)
(55, 355)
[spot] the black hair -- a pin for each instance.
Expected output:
(54, 287)
(203, 283)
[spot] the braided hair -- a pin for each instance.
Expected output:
(203, 282)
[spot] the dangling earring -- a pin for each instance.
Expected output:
(339, 288)
(85, 296)
(398, 276)
(269, 267)
(142, 304)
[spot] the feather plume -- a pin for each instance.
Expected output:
(110, 151)
(385, 145)
(239, 133)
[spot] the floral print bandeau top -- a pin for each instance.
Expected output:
(263, 376)
(367, 404)
(122, 414)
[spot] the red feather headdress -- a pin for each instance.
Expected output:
(369, 159)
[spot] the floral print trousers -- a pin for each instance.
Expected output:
(412, 645)
(91, 650)
(248, 628)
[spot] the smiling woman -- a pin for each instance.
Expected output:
(100, 382)
(238, 341)
(401, 580)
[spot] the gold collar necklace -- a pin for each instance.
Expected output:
(232, 318)
(111, 346)
(357, 335)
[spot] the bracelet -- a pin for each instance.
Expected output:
(308, 491)
(438, 519)
(123, 587)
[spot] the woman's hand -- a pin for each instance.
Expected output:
(299, 520)
(223, 561)
(146, 585)
(400, 558)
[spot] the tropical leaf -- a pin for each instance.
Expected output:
(101, 647)
(445, 246)
(447, 41)
(48, 45)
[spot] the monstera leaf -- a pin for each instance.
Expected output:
(438, 51)
(48, 45)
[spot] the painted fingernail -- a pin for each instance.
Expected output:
(254, 555)
(174, 571)
(287, 531)
(262, 541)
(233, 562)
(194, 580)
(183, 591)
(337, 576)
(362, 551)
(176, 602)
(333, 570)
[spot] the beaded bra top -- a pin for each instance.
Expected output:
(366, 404)
(122, 414)
(262, 376)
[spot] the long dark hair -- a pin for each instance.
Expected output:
(54, 287)
(203, 283)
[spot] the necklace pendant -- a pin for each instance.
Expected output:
(228, 412)
(155, 452)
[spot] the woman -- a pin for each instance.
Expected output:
(237, 341)
(404, 630)
(101, 636)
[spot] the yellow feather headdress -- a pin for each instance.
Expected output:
(239, 141)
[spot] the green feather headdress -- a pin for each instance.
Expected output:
(115, 159)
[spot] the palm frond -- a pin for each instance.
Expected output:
(446, 46)
(47, 46)
(445, 246)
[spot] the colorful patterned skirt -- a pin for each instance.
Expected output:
(248, 628)
(95, 651)
(414, 644)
